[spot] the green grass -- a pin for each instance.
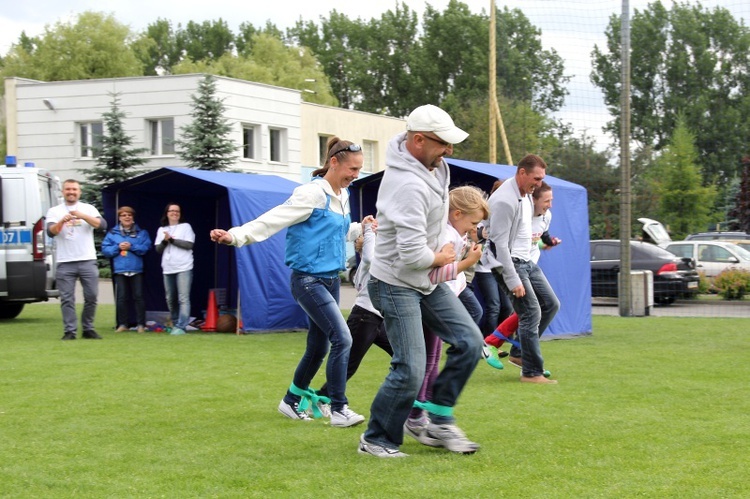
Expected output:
(649, 407)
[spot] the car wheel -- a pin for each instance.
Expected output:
(10, 310)
(664, 300)
(352, 271)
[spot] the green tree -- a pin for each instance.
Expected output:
(158, 48)
(687, 60)
(95, 46)
(740, 214)
(685, 206)
(386, 66)
(576, 160)
(207, 40)
(273, 63)
(205, 143)
(115, 158)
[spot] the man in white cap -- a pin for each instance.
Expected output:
(412, 213)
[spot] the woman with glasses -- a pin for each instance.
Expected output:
(174, 241)
(318, 223)
(125, 245)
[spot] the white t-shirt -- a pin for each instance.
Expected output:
(521, 247)
(459, 245)
(539, 225)
(174, 259)
(75, 242)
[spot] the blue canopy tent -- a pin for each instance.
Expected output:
(567, 266)
(209, 200)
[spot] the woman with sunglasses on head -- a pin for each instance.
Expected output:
(174, 242)
(317, 216)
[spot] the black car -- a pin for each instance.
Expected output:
(674, 277)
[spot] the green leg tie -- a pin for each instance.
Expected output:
(309, 399)
(438, 410)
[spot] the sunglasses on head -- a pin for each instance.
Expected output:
(350, 147)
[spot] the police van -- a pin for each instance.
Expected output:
(27, 257)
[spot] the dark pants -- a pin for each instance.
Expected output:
(367, 329)
(129, 289)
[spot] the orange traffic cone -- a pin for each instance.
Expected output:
(212, 313)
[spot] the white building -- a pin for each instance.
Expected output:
(54, 124)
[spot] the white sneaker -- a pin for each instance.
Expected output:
(366, 447)
(346, 417)
(325, 409)
(451, 437)
(293, 412)
(417, 429)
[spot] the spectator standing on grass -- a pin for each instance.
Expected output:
(412, 212)
(510, 235)
(72, 224)
(174, 242)
(318, 223)
(125, 245)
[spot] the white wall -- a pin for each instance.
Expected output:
(49, 137)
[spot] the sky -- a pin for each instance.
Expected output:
(571, 27)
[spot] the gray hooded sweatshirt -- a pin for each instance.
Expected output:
(412, 213)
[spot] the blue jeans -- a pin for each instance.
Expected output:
(177, 287)
(497, 306)
(404, 310)
(319, 298)
(535, 311)
(66, 275)
(471, 304)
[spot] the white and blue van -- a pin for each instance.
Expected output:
(27, 256)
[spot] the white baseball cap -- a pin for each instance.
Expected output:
(429, 118)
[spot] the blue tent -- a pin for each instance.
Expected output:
(209, 200)
(567, 266)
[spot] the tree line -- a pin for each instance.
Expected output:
(690, 81)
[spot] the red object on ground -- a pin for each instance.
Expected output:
(212, 313)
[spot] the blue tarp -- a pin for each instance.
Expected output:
(566, 266)
(208, 200)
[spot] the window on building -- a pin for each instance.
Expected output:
(370, 151)
(277, 146)
(90, 138)
(323, 148)
(161, 133)
(249, 141)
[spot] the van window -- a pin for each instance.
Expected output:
(45, 196)
(14, 207)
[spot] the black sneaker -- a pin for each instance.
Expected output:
(69, 336)
(91, 335)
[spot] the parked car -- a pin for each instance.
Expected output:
(741, 239)
(673, 277)
(654, 232)
(711, 257)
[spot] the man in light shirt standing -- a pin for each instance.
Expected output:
(72, 224)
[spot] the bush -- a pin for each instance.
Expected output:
(733, 283)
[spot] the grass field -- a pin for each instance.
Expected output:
(646, 407)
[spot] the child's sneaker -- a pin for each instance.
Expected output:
(489, 353)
